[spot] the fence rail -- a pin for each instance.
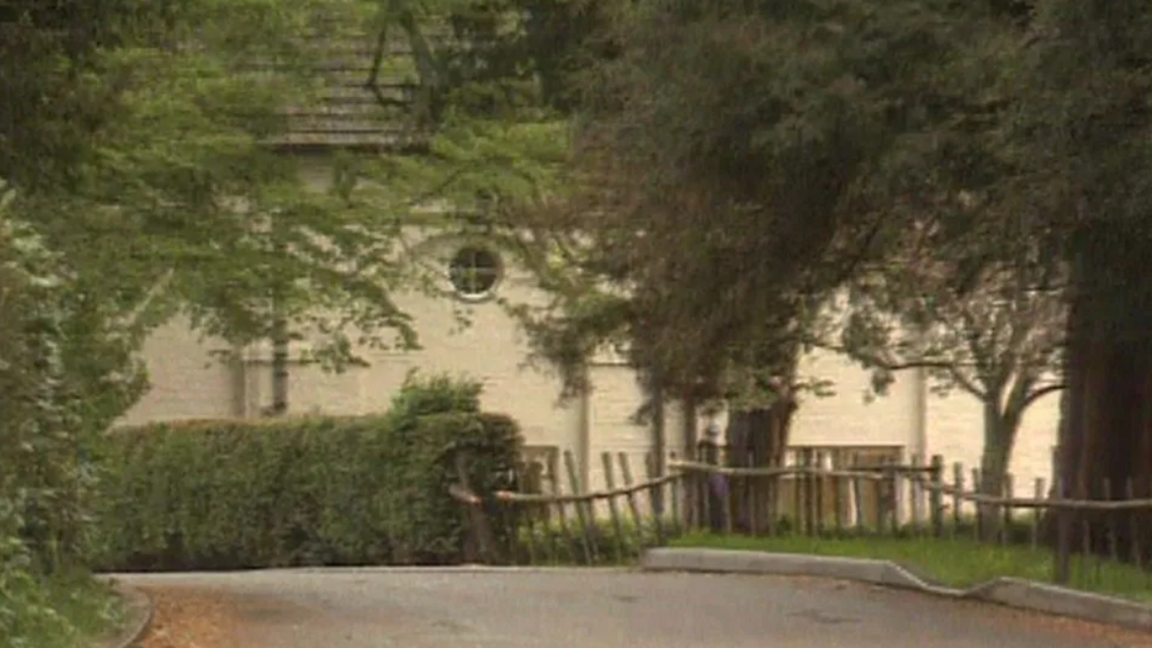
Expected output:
(808, 498)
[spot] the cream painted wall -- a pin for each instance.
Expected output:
(847, 418)
(188, 383)
(956, 432)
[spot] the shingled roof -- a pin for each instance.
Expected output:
(353, 110)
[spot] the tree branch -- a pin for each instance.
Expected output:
(1040, 393)
(373, 83)
(951, 367)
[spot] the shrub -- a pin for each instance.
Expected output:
(66, 608)
(301, 491)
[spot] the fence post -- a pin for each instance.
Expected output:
(1009, 492)
(1061, 573)
(957, 496)
(981, 509)
(821, 480)
(590, 553)
(1136, 556)
(561, 514)
(479, 523)
(525, 514)
(655, 495)
(1037, 494)
(936, 496)
(809, 477)
(613, 510)
(915, 492)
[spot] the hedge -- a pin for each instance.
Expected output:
(212, 495)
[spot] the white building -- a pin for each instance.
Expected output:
(188, 382)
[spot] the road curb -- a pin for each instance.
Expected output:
(1012, 592)
(141, 610)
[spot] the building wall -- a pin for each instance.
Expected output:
(849, 417)
(189, 383)
(956, 433)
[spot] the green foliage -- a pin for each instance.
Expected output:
(57, 612)
(552, 542)
(67, 609)
(306, 491)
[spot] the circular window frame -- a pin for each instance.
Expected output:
(497, 272)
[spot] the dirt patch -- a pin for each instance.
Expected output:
(191, 618)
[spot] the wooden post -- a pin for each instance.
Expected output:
(1009, 493)
(936, 496)
(858, 501)
(838, 496)
(637, 519)
(1135, 555)
(914, 494)
(797, 496)
(957, 496)
(809, 480)
(561, 515)
(653, 472)
(482, 527)
(590, 552)
(1037, 493)
(1110, 524)
(526, 515)
(881, 500)
(819, 504)
(894, 478)
(677, 508)
(1084, 516)
(1061, 572)
(980, 531)
(613, 510)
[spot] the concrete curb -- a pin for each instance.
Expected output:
(1012, 592)
(141, 611)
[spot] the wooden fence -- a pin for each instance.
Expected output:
(917, 499)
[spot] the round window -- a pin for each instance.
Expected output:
(474, 272)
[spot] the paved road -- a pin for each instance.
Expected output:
(476, 608)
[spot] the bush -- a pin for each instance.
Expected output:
(66, 608)
(301, 491)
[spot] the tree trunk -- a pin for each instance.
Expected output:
(280, 336)
(1107, 437)
(999, 439)
(759, 437)
(280, 358)
(659, 444)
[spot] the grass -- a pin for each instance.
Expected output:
(60, 612)
(959, 563)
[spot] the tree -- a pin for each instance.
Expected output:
(1080, 138)
(983, 312)
(174, 190)
(711, 223)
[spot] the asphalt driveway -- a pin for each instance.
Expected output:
(481, 608)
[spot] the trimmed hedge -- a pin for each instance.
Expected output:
(301, 491)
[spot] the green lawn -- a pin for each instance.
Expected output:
(956, 563)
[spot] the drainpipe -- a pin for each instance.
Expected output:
(920, 413)
(239, 382)
(584, 443)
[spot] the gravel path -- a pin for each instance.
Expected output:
(480, 608)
